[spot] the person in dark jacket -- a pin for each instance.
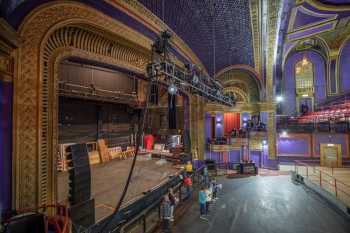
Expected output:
(165, 215)
(172, 200)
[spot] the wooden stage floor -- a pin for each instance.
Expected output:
(108, 181)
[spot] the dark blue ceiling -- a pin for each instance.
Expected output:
(336, 2)
(193, 21)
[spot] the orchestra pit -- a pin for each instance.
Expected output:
(142, 116)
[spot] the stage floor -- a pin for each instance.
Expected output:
(269, 204)
(108, 181)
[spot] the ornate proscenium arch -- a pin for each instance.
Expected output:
(51, 33)
(243, 81)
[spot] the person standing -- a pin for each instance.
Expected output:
(189, 168)
(202, 197)
(208, 194)
(172, 200)
(165, 215)
(206, 175)
(188, 186)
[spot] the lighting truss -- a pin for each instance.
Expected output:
(187, 80)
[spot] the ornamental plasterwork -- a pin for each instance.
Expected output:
(255, 21)
(34, 102)
(272, 25)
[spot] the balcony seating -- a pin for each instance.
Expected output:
(338, 112)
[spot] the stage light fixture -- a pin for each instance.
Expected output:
(172, 89)
(195, 78)
(264, 142)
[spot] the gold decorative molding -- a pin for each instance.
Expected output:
(242, 107)
(197, 126)
(326, 19)
(326, 7)
(50, 33)
(241, 67)
(237, 91)
(254, 6)
(8, 38)
(273, 8)
(8, 42)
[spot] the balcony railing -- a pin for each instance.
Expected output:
(325, 180)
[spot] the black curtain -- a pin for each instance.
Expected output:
(172, 111)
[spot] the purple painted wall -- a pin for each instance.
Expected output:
(219, 125)
(293, 146)
(5, 145)
(344, 68)
(289, 103)
(245, 116)
(342, 139)
(207, 126)
(234, 156)
(256, 157)
(263, 117)
(266, 162)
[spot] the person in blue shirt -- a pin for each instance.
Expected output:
(202, 203)
(206, 175)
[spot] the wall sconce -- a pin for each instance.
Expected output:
(284, 134)
(279, 99)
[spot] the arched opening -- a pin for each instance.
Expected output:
(344, 74)
(304, 81)
(304, 85)
(96, 46)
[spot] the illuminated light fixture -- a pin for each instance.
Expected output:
(279, 99)
(305, 61)
(172, 89)
(284, 134)
(330, 144)
(264, 142)
(305, 95)
(298, 70)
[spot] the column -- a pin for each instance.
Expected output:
(271, 134)
(333, 77)
(197, 128)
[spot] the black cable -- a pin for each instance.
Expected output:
(138, 143)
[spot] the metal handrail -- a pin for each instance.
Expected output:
(335, 183)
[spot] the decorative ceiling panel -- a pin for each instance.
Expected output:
(197, 21)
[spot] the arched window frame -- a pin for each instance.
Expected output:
(305, 90)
